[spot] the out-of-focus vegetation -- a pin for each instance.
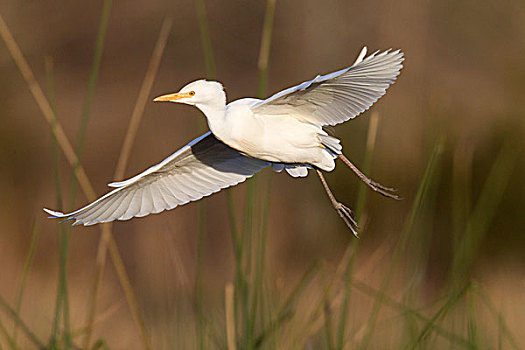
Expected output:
(267, 264)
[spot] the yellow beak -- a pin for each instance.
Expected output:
(172, 97)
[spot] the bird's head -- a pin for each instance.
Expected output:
(198, 93)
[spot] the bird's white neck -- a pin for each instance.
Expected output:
(215, 114)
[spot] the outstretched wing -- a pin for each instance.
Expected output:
(337, 97)
(202, 167)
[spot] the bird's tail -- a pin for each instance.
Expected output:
(332, 144)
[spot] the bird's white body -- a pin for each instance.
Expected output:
(284, 130)
(275, 138)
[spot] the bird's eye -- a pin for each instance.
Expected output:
(191, 93)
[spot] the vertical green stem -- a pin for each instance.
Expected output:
(361, 201)
(428, 179)
(27, 267)
(209, 62)
(202, 17)
(199, 297)
(88, 100)
(258, 228)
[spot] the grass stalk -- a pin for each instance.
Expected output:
(504, 328)
(472, 327)
(80, 174)
(230, 316)
(199, 288)
(264, 50)
(21, 324)
(354, 244)
(88, 100)
(56, 148)
(483, 213)
(62, 305)
(144, 93)
(45, 107)
(207, 48)
(426, 182)
(8, 338)
(287, 310)
(373, 124)
(450, 302)
(259, 230)
(446, 334)
(62, 300)
(209, 62)
(127, 145)
(25, 273)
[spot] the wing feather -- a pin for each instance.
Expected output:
(202, 167)
(337, 97)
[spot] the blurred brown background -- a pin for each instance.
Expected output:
(464, 78)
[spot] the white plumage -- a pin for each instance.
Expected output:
(246, 135)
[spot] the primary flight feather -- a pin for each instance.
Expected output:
(246, 135)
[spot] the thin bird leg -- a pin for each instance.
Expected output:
(344, 212)
(385, 191)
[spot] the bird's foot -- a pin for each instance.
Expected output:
(347, 215)
(383, 190)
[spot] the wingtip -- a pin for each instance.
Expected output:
(361, 56)
(54, 214)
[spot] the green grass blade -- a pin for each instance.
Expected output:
(23, 327)
(62, 305)
(484, 212)
(288, 308)
(472, 321)
(199, 297)
(447, 306)
(264, 51)
(25, 273)
(125, 151)
(373, 124)
(372, 292)
(56, 148)
(259, 227)
(361, 202)
(88, 100)
(209, 62)
(504, 328)
(8, 338)
(426, 182)
(207, 47)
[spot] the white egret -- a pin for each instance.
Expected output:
(247, 135)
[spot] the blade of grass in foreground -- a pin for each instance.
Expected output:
(207, 48)
(23, 327)
(354, 244)
(484, 212)
(8, 338)
(80, 174)
(209, 62)
(45, 107)
(450, 336)
(260, 229)
(65, 232)
(288, 308)
(56, 148)
(504, 328)
(129, 139)
(88, 101)
(427, 180)
(62, 303)
(450, 302)
(25, 273)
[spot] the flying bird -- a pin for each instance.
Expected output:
(284, 131)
